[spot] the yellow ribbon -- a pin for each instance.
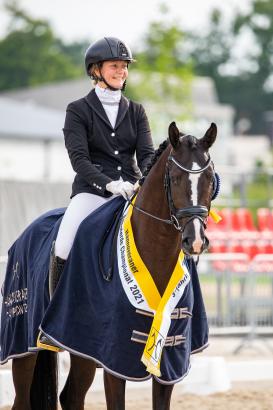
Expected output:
(215, 216)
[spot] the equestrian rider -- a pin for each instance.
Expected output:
(104, 132)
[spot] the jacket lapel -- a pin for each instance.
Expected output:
(94, 102)
(123, 108)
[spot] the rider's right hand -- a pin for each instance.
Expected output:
(126, 189)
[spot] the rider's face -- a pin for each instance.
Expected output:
(114, 72)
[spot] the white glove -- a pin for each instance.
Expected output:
(126, 189)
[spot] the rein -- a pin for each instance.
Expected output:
(167, 221)
(192, 212)
(196, 211)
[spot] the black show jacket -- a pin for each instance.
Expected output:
(100, 153)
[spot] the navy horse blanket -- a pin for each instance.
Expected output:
(89, 316)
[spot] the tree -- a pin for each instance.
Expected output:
(162, 75)
(31, 54)
(75, 51)
(259, 78)
(210, 52)
(244, 80)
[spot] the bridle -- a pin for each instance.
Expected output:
(191, 212)
(196, 211)
(200, 212)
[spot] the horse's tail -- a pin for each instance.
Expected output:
(43, 394)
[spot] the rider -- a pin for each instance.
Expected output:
(103, 132)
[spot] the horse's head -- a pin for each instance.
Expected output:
(190, 186)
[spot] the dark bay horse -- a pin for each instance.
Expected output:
(170, 212)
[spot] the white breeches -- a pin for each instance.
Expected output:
(81, 205)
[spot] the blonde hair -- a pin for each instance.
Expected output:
(92, 73)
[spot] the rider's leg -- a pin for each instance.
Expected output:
(80, 207)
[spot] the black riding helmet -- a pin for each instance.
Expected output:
(105, 49)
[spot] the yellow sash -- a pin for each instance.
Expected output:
(161, 306)
(143, 293)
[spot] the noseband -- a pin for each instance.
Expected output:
(192, 212)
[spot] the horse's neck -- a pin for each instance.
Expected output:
(157, 242)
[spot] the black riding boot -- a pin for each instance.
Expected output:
(56, 267)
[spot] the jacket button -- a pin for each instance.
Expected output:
(119, 168)
(116, 152)
(113, 134)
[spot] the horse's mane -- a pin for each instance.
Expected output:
(154, 159)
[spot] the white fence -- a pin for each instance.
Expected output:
(238, 293)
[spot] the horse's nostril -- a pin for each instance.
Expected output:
(186, 245)
(186, 241)
(206, 243)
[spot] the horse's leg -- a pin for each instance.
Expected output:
(22, 373)
(161, 396)
(80, 378)
(114, 388)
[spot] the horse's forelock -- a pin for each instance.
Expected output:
(189, 140)
(193, 142)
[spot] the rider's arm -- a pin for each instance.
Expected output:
(144, 146)
(75, 134)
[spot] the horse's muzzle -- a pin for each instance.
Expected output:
(191, 247)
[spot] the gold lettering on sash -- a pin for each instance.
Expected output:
(129, 254)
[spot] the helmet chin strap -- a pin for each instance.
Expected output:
(101, 78)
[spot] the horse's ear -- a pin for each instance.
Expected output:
(174, 134)
(209, 138)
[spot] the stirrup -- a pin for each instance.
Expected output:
(45, 343)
